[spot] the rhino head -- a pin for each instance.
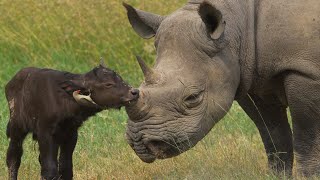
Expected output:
(192, 84)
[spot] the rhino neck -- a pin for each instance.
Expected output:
(247, 50)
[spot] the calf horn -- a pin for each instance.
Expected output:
(102, 63)
(82, 99)
(149, 75)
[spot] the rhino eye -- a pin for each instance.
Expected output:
(194, 99)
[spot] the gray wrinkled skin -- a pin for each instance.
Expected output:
(264, 54)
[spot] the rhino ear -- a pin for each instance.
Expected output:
(213, 19)
(145, 24)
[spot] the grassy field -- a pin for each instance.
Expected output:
(72, 35)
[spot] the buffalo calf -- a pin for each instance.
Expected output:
(52, 105)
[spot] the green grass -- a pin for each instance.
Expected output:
(72, 35)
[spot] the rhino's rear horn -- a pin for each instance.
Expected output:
(150, 76)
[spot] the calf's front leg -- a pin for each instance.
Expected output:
(48, 155)
(65, 158)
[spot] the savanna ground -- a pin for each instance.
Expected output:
(72, 35)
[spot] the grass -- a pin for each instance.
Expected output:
(72, 35)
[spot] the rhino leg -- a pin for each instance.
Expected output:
(303, 96)
(272, 122)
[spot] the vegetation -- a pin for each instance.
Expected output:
(72, 35)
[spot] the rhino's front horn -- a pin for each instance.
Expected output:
(82, 99)
(150, 76)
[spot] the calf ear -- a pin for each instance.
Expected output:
(213, 19)
(70, 86)
(145, 24)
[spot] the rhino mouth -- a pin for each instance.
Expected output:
(163, 150)
(150, 150)
(144, 153)
(153, 150)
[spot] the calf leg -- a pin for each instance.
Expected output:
(272, 122)
(15, 151)
(48, 155)
(303, 96)
(65, 159)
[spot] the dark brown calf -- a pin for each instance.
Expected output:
(52, 105)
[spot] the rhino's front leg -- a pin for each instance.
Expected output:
(303, 96)
(272, 123)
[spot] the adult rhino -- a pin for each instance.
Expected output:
(263, 54)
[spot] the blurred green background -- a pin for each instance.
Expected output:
(71, 35)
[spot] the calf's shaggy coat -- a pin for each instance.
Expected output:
(52, 105)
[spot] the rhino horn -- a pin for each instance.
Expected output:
(150, 76)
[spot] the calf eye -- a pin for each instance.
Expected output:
(109, 85)
(194, 99)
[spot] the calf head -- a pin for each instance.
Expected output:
(103, 88)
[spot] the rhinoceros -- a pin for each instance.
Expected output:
(263, 54)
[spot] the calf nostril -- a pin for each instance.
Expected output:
(135, 92)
